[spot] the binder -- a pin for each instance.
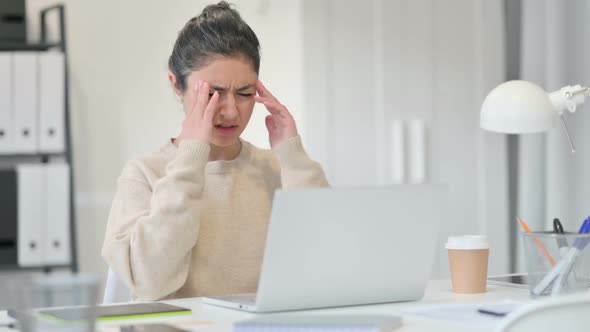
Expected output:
(51, 102)
(31, 208)
(24, 84)
(8, 217)
(57, 197)
(6, 122)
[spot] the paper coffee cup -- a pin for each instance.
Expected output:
(468, 260)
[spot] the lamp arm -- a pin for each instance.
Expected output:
(568, 98)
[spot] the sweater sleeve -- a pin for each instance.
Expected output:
(151, 231)
(297, 169)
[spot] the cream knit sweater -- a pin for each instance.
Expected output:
(181, 226)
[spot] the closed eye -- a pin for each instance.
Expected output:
(246, 94)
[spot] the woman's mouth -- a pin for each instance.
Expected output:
(226, 129)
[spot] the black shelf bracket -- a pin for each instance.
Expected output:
(68, 136)
(62, 26)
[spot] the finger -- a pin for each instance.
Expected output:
(194, 103)
(270, 123)
(202, 97)
(263, 91)
(209, 111)
(262, 100)
(274, 107)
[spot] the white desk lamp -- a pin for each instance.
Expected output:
(521, 107)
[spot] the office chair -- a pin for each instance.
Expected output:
(115, 290)
(565, 313)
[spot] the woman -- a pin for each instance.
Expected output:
(191, 218)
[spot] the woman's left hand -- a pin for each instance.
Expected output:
(280, 123)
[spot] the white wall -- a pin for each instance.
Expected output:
(121, 101)
(370, 63)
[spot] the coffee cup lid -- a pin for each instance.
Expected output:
(467, 242)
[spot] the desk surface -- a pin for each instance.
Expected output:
(211, 318)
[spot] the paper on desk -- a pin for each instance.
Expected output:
(465, 314)
(5, 320)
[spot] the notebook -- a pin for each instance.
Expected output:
(292, 323)
(121, 311)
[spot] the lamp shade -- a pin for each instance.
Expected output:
(517, 107)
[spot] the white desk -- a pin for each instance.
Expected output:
(211, 318)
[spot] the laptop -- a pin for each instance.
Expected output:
(346, 246)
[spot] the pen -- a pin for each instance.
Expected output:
(581, 243)
(577, 248)
(526, 228)
(564, 265)
(492, 313)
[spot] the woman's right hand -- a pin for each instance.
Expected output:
(198, 122)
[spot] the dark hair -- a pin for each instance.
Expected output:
(218, 31)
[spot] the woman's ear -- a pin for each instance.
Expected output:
(172, 79)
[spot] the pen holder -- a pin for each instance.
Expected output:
(28, 296)
(556, 263)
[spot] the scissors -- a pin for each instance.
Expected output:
(558, 229)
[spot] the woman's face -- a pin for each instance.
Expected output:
(235, 81)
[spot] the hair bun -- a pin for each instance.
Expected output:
(218, 10)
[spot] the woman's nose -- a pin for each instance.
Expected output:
(229, 110)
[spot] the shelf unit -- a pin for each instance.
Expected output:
(12, 159)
